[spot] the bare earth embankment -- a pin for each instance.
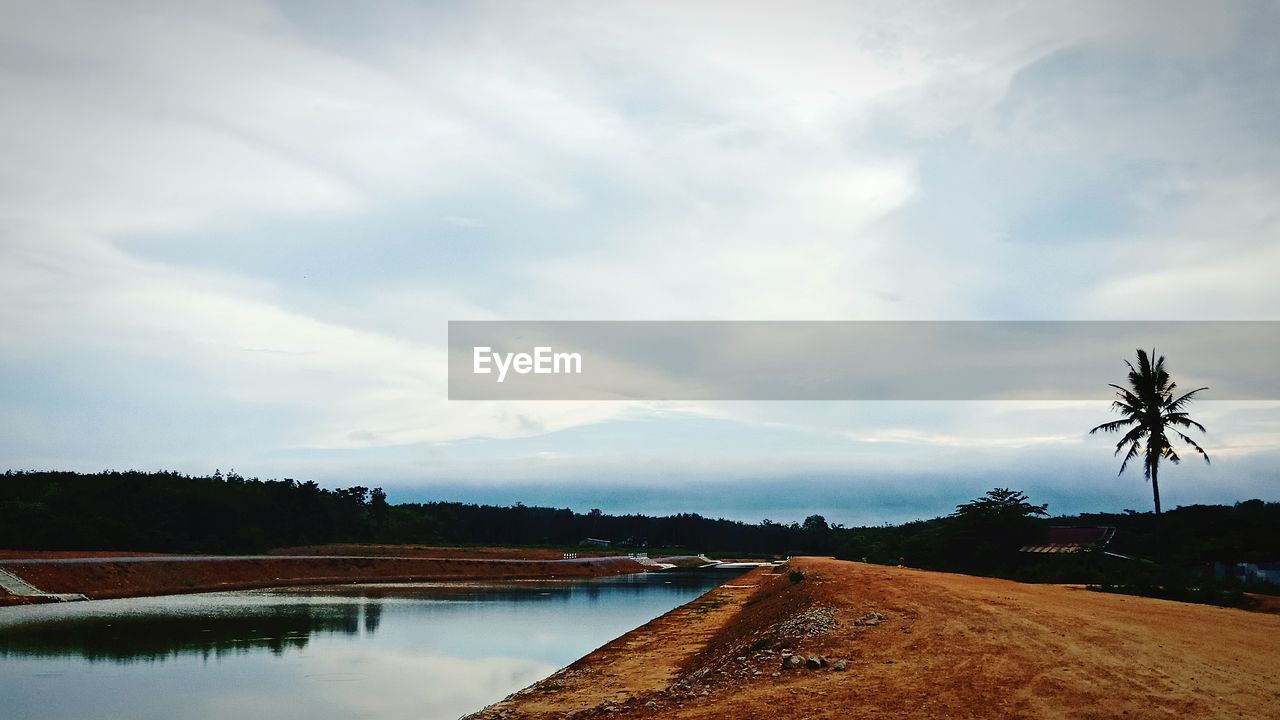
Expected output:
(949, 646)
(109, 576)
(435, 551)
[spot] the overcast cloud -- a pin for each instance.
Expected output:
(231, 233)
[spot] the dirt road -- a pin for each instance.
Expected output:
(950, 646)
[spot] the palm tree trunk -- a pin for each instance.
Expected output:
(1155, 486)
(1155, 491)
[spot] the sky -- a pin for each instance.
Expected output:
(232, 234)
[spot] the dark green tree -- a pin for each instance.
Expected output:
(1000, 504)
(1150, 414)
(985, 534)
(816, 524)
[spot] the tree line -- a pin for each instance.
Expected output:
(168, 511)
(228, 513)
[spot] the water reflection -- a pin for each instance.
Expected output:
(155, 636)
(383, 651)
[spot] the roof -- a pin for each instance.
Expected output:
(1073, 539)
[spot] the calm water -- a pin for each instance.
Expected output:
(374, 651)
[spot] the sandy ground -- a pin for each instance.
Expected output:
(106, 579)
(951, 646)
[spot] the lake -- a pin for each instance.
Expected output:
(356, 651)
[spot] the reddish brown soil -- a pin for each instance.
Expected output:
(430, 551)
(7, 599)
(8, 554)
(424, 551)
(121, 579)
(1266, 603)
(952, 646)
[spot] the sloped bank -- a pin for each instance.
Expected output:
(918, 644)
(98, 579)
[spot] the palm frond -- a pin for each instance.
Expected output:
(1133, 453)
(1193, 444)
(1134, 435)
(1181, 420)
(1177, 404)
(1114, 425)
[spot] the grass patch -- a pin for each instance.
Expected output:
(1209, 593)
(706, 605)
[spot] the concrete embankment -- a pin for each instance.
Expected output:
(16, 591)
(110, 577)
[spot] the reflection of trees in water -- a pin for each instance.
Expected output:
(676, 581)
(152, 637)
(224, 630)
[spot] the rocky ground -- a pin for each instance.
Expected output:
(848, 640)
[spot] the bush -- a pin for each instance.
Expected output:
(1171, 584)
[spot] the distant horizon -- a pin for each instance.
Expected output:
(657, 503)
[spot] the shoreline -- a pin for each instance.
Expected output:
(113, 576)
(818, 637)
(625, 673)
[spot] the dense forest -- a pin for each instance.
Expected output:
(145, 511)
(228, 513)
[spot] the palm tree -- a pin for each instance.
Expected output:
(1151, 414)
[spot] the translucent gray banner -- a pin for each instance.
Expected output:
(925, 360)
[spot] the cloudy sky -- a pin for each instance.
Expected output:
(232, 233)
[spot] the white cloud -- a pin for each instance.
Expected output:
(622, 161)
